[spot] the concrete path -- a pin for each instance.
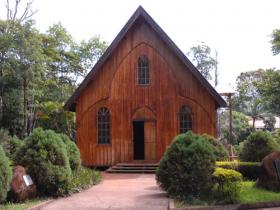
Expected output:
(116, 191)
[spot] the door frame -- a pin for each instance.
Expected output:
(132, 139)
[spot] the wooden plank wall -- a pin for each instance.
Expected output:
(114, 86)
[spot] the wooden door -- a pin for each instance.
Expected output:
(150, 140)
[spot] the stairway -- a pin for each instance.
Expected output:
(138, 168)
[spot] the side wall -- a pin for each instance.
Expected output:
(114, 86)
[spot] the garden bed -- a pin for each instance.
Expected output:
(250, 197)
(82, 179)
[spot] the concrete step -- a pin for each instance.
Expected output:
(110, 170)
(137, 164)
(133, 168)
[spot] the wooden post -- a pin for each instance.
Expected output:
(230, 118)
(229, 97)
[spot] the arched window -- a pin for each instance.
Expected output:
(143, 74)
(103, 121)
(185, 119)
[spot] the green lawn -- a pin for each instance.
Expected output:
(21, 206)
(251, 194)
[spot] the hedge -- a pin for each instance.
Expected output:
(249, 170)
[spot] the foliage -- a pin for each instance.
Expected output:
(249, 193)
(249, 170)
(67, 61)
(252, 194)
(189, 160)
(5, 175)
(9, 143)
(73, 152)
(269, 122)
(240, 126)
(38, 68)
(248, 100)
(83, 178)
(269, 90)
(220, 151)
(257, 146)
(204, 62)
(21, 67)
(45, 156)
(227, 187)
(275, 41)
(51, 115)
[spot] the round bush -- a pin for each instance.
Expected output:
(45, 156)
(220, 151)
(73, 152)
(186, 168)
(5, 175)
(257, 146)
(227, 187)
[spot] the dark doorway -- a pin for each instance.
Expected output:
(138, 140)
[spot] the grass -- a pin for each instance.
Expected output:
(251, 194)
(22, 206)
(84, 178)
(248, 194)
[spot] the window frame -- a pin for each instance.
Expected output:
(143, 76)
(185, 118)
(103, 126)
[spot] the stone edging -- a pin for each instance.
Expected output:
(228, 207)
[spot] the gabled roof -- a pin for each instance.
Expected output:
(141, 13)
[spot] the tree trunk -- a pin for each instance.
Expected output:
(254, 120)
(24, 128)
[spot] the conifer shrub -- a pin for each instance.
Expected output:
(5, 175)
(219, 149)
(45, 156)
(73, 152)
(186, 169)
(257, 146)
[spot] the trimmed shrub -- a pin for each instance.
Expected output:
(219, 149)
(73, 152)
(228, 186)
(257, 146)
(186, 168)
(249, 170)
(45, 156)
(5, 175)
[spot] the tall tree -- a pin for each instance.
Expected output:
(67, 61)
(204, 62)
(248, 100)
(21, 69)
(241, 128)
(18, 12)
(269, 89)
(275, 41)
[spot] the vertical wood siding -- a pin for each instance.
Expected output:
(115, 87)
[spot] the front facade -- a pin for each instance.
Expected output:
(141, 93)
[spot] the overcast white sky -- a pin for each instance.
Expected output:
(238, 29)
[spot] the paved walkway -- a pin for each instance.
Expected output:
(116, 191)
